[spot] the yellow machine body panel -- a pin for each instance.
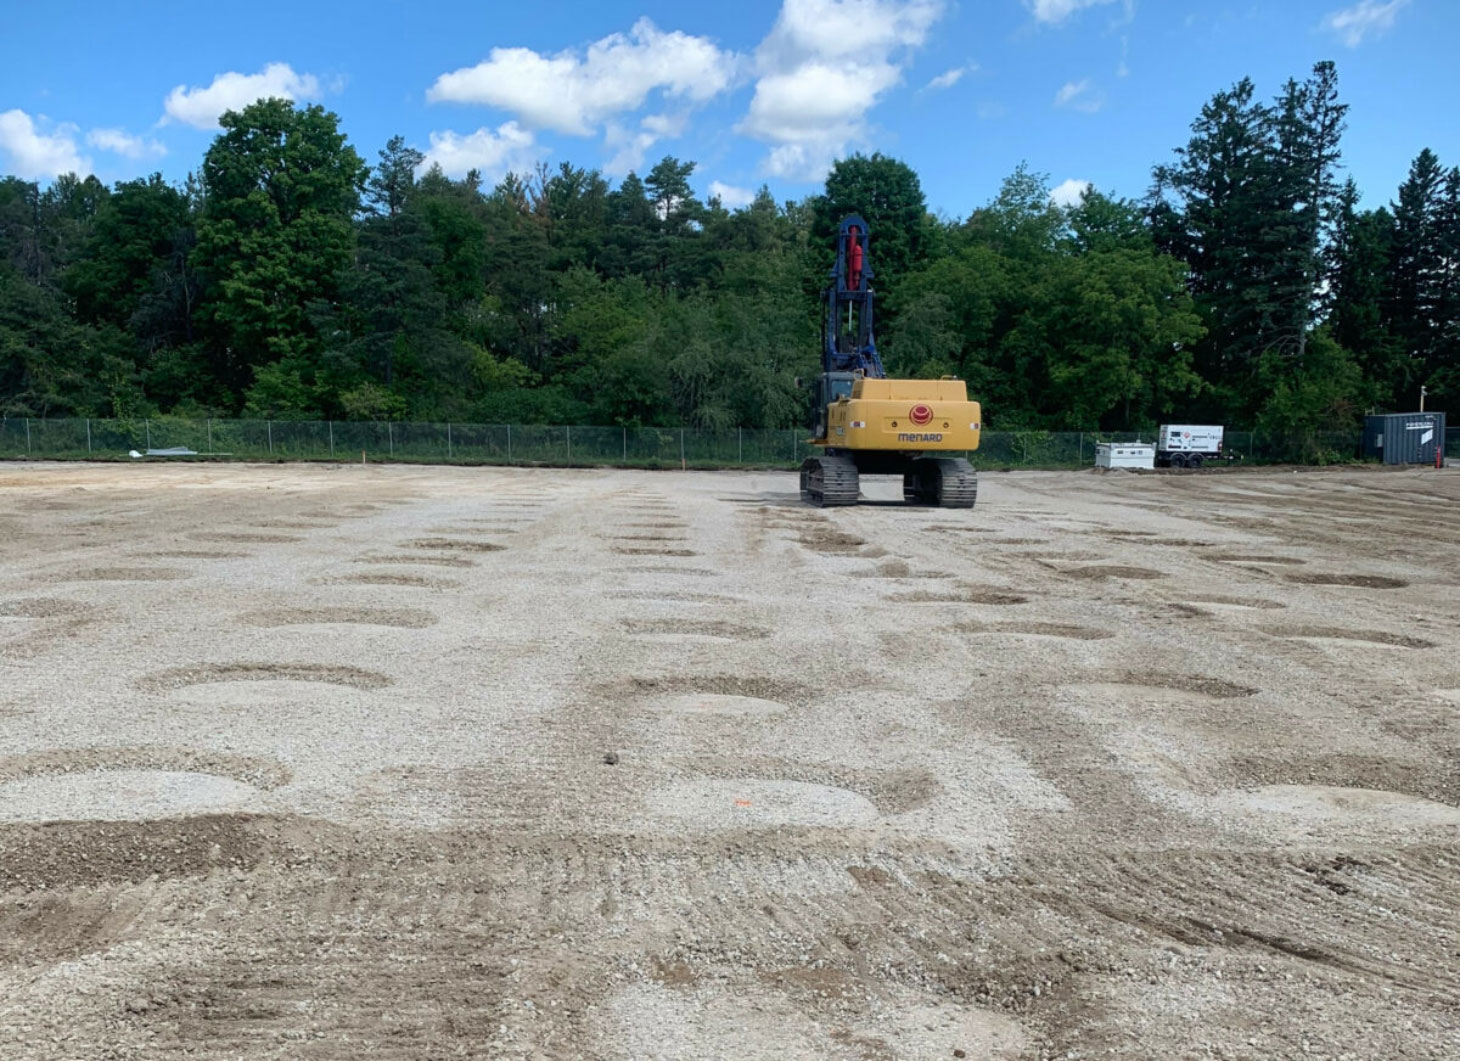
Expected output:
(905, 414)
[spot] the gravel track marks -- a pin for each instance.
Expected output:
(926, 797)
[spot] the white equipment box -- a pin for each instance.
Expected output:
(1125, 455)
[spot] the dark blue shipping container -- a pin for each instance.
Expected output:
(1404, 438)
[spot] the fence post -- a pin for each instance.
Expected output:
(509, 443)
(626, 443)
(448, 440)
(210, 434)
(27, 434)
(88, 434)
(569, 432)
(332, 438)
(681, 448)
(390, 436)
(1080, 456)
(148, 423)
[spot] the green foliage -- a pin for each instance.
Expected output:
(288, 281)
(282, 188)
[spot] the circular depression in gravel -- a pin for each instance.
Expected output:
(125, 795)
(219, 673)
(1166, 686)
(1246, 603)
(195, 554)
(752, 803)
(651, 550)
(1060, 631)
(716, 704)
(245, 537)
(995, 597)
(1349, 637)
(456, 544)
(1341, 579)
(40, 608)
(420, 559)
(409, 618)
(387, 578)
(694, 629)
(1104, 571)
(128, 574)
(1327, 813)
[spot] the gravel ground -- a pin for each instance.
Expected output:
(341, 762)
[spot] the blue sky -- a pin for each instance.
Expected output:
(755, 92)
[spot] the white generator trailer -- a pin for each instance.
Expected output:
(1189, 445)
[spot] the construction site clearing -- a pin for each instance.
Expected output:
(337, 762)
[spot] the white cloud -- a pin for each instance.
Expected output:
(631, 146)
(202, 107)
(1366, 18)
(730, 196)
(121, 142)
(1081, 96)
(1053, 12)
(508, 148)
(1069, 193)
(822, 67)
(35, 155)
(576, 94)
(949, 78)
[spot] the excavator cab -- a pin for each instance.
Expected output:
(830, 386)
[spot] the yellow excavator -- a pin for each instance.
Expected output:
(868, 424)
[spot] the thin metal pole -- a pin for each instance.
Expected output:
(270, 425)
(149, 433)
(210, 434)
(681, 447)
(448, 440)
(88, 434)
(390, 436)
(332, 438)
(626, 443)
(27, 434)
(509, 443)
(569, 431)
(740, 445)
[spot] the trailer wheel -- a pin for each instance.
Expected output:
(1194, 461)
(1178, 460)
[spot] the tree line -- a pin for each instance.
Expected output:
(287, 279)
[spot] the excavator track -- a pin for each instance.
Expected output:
(947, 482)
(827, 481)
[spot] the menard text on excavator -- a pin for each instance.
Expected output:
(868, 424)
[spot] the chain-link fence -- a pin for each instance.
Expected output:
(647, 447)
